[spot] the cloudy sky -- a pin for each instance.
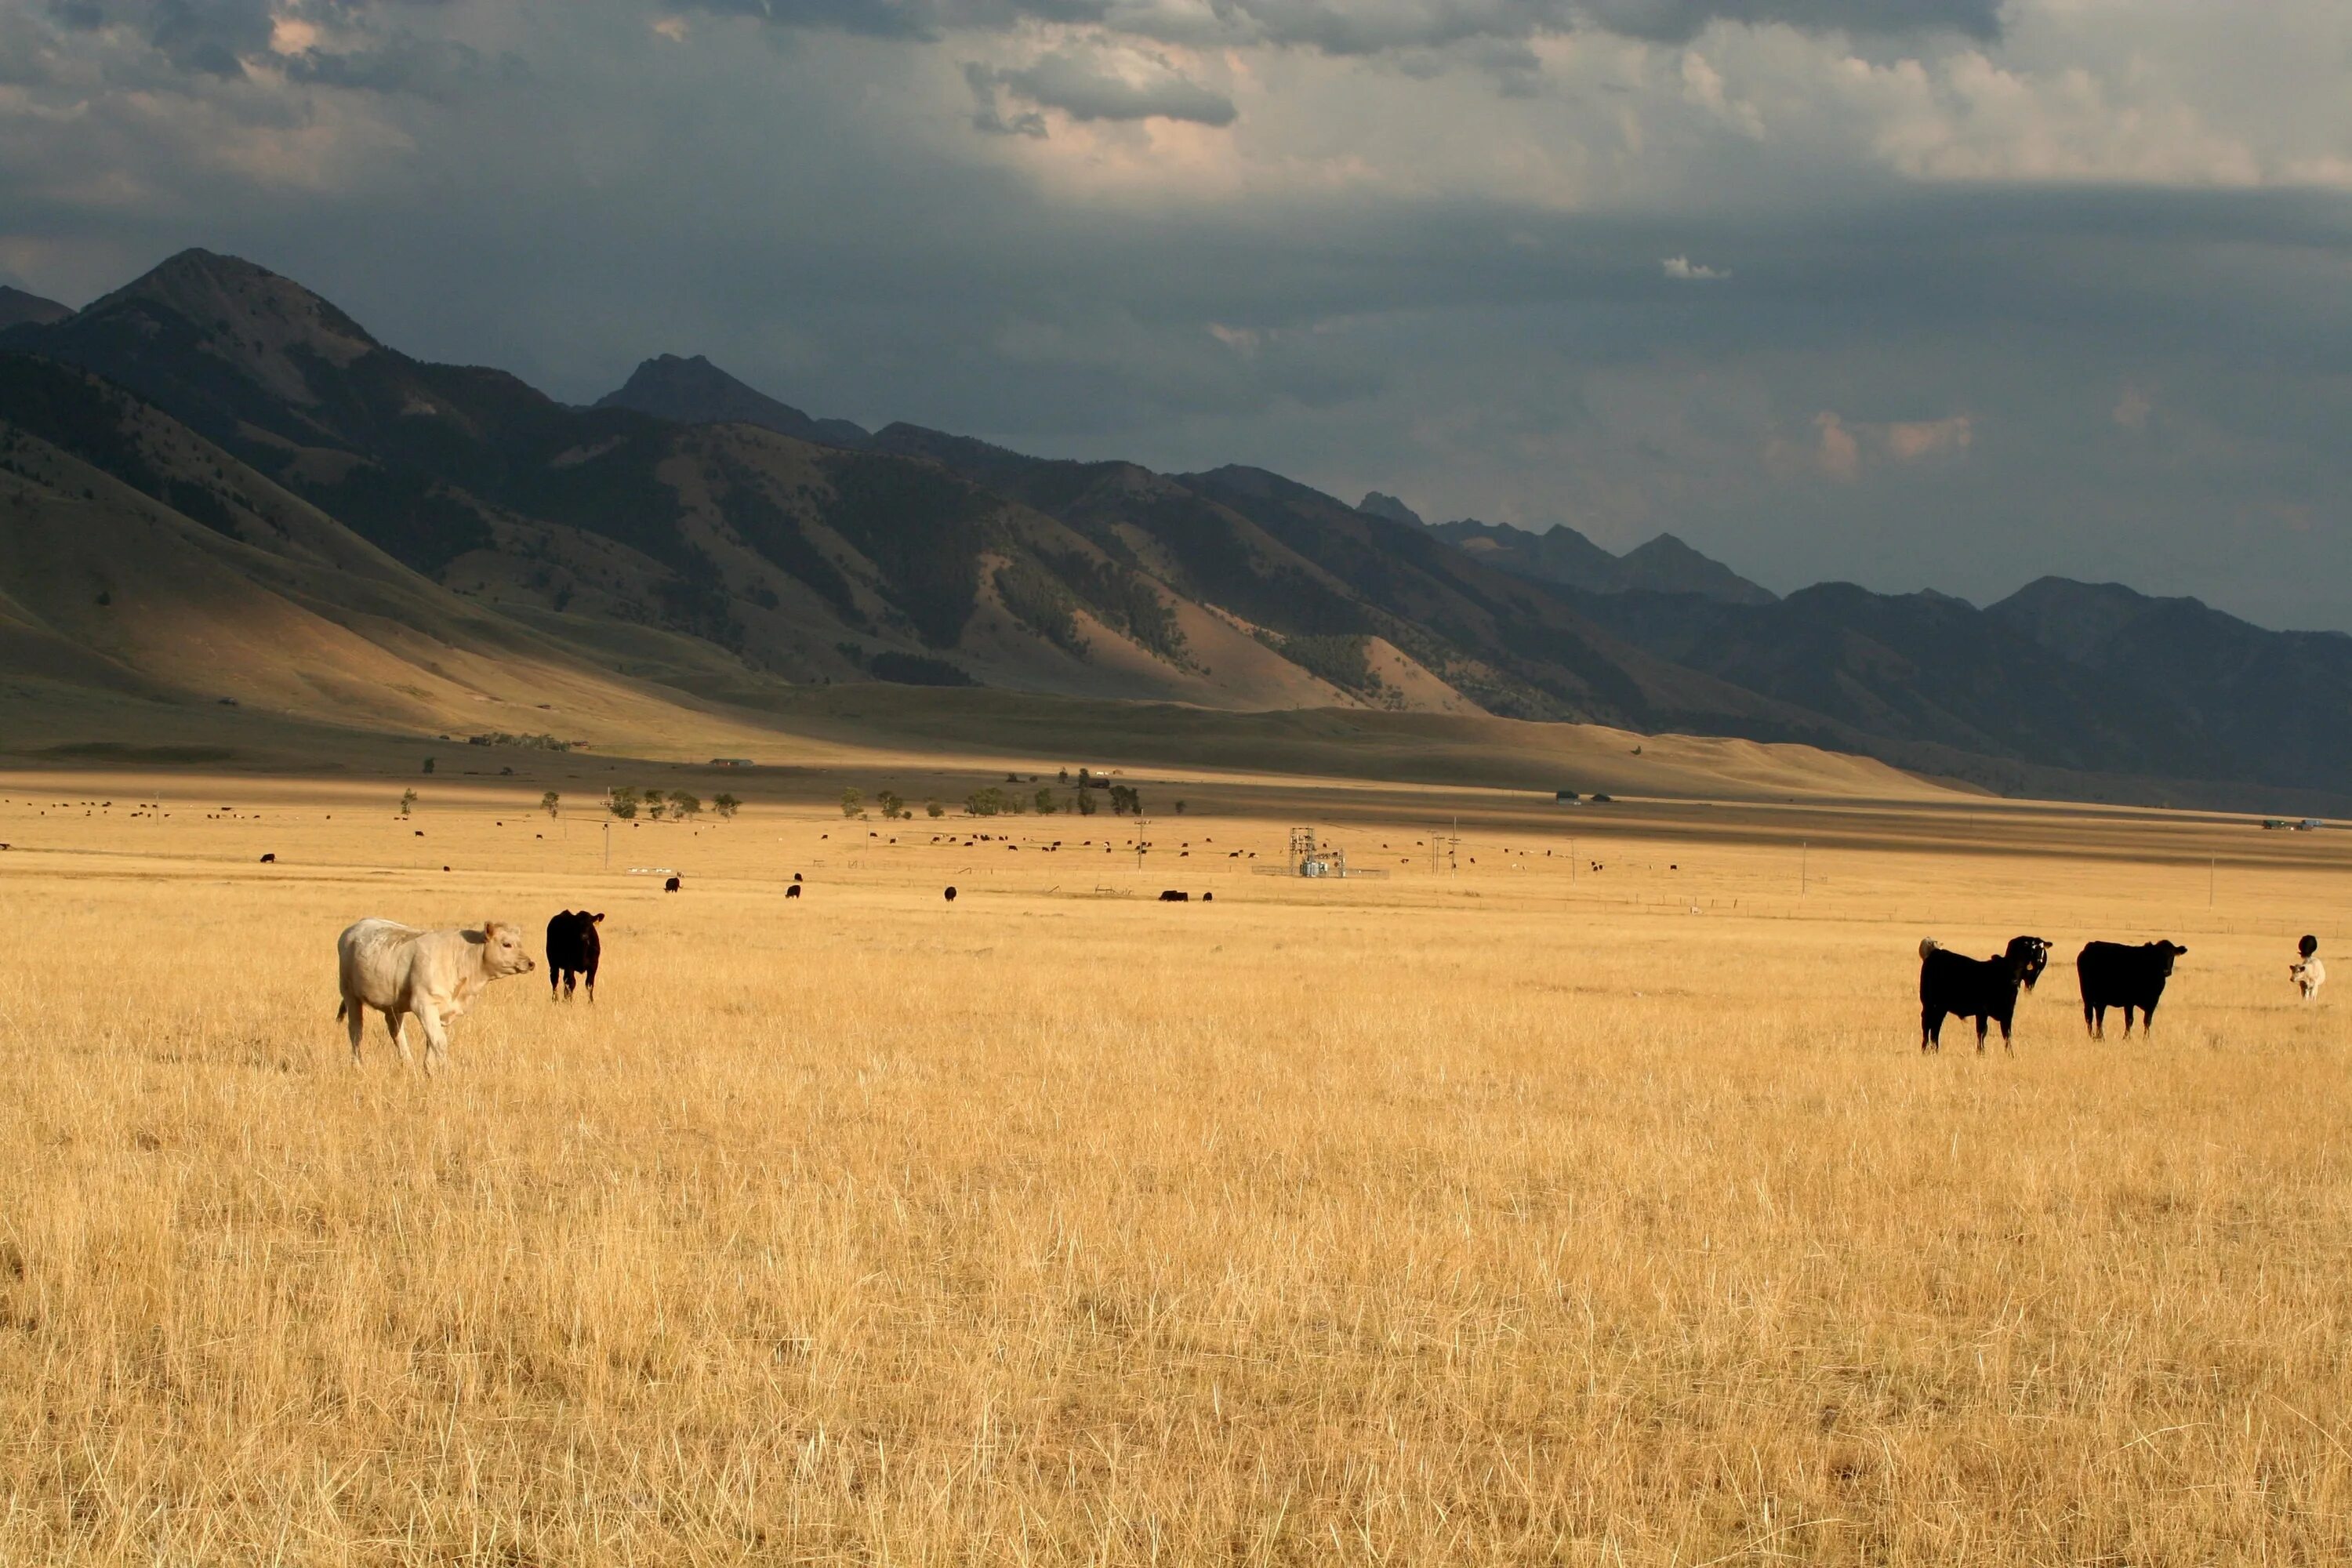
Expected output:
(1945, 293)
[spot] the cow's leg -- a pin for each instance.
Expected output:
(2005, 1022)
(2127, 1020)
(436, 1038)
(353, 1021)
(2147, 1021)
(1981, 1019)
(592, 959)
(1931, 1028)
(394, 1023)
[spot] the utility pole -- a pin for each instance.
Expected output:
(608, 846)
(1804, 851)
(2212, 874)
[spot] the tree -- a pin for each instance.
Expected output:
(934, 809)
(547, 802)
(683, 806)
(407, 801)
(621, 802)
(1125, 802)
(893, 808)
(429, 765)
(1085, 802)
(1064, 776)
(853, 803)
(1045, 802)
(1180, 809)
(725, 805)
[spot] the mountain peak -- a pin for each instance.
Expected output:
(690, 389)
(1376, 504)
(19, 309)
(1668, 565)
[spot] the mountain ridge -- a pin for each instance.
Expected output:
(705, 555)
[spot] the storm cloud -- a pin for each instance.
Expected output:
(1948, 294)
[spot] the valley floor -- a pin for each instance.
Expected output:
(1583, 1198)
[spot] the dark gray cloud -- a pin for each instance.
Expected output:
(208, 36)
(1679, 20)
(1347, 28)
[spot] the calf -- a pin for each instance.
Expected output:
(398, 970)
(791, 889)
(1984, 989)
(573, 951)
(2308, 974)
(2114, 975)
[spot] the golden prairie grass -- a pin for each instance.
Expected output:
(1469, 1218)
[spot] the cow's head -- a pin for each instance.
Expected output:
(2031, 956)
(2167, 951)
(502, 953)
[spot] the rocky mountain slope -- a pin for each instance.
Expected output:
(217, 432)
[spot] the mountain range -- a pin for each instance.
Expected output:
(218, 484)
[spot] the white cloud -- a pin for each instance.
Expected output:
(1683, 268)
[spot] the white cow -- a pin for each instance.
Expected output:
(398, 970)
(2308, 974)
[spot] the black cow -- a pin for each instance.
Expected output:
(670, 886)
(1175, 896)
(791, 889)
(573, 951)
(1980, 988)
(2114, 975)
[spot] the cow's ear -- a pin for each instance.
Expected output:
(596, 920)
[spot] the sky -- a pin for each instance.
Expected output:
(1912, 293)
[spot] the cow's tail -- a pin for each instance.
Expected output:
(343, 1008)
(1927, 944)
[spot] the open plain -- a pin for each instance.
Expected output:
(1576, 1194)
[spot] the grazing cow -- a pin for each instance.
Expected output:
(270, 859)
(1174, 896)
(2308, 974)
(398, 970)
(791, 889)
(573, 951)
(1984, 989)
(2114, 975)
(952, 895)
(670, 886)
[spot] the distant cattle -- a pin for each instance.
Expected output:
(1984, 989)
(951, 895)
(1174, 896)
(270, 859)
(791, 889)
(670, 886)
(2131, 978)
(574, 951)
(2307, 973)
(435, 975)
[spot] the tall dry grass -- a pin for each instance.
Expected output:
(1456, 1219)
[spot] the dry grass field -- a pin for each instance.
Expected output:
(1469, 1216)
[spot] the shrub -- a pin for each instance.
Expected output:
(1045, 802)
(934, 809)
(853, 803)
(621, 800)
(407, 801)
(683, 806)
(548, 802)
(725, 805)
